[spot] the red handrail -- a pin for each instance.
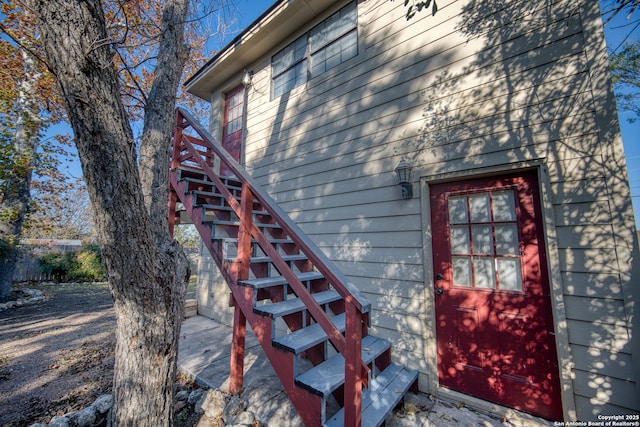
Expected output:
(356, 304)
(340, 281)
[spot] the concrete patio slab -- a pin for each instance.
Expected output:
(204, 354)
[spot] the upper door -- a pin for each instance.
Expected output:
(494, 326)
(233, 125)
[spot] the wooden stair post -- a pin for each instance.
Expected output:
(353, 371)
(241, 270)
(236, 371)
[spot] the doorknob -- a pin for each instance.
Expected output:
(439, 291)
(439, 276)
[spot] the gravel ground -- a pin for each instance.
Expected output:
(56, 355)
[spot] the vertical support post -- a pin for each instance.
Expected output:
(352, 366)
(241, 272)
(237, 349)
(244, 232)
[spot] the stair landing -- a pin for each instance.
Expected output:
(204, 352)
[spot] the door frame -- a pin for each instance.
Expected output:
(565, 363)
(217, 116)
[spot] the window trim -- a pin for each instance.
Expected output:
(308, 53)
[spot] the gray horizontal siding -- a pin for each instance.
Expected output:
(597, 310)
(604, 389)
(599, 407)
(601, 336)
(599, 285)
(604, 362)
(452, 94)
(586, 236)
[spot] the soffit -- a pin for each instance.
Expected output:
(274, 26)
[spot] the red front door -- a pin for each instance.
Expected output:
(493, 317)
(233, 125)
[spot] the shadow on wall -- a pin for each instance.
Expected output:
(508, 83)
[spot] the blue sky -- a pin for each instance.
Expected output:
(615, 33)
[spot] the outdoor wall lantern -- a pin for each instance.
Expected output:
(247, 78)
(403, 170)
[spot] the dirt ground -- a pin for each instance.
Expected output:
(56, 356)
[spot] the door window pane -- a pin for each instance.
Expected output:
(460, 239)
(509, 274)
(461, 271)
(458, 210)
(504, 208)
(484, 272)
(234, 112)
(507, 239)
(479, 205)
(483, 226)
(482, 239)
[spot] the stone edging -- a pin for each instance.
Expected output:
(94, 414)
(31, 296)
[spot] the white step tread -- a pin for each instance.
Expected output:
(263, 259)
(384, 393)
(265, 282)
(305, 338)
(294, 305)
(234, 223)
(205, 181)
(227, 208)
(272, 241)
(329, 375)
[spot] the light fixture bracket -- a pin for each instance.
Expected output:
(247, 78)
(403, 173)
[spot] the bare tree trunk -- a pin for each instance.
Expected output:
(147, 270)
(16, 191)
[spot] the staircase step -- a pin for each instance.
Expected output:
(194, 170)
(237, 223)
(197, 181)
(265, 282)
(288, 258)
(305, 338)
(203, 193)
(272, 241)
(294, 305)
(227, 208)
(384, 393)
(329, 375)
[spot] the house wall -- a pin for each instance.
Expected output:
(480, 87)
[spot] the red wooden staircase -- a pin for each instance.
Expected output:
(275, 271)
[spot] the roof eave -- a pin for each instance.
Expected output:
(272, 27)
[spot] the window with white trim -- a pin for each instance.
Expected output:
(328, 44)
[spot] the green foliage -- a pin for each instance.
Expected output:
(88, 265)
(625, 72)
(57, 264)
(4, 248)
(187, 235)
(7, 244)
(84, 265)
(414, 7)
